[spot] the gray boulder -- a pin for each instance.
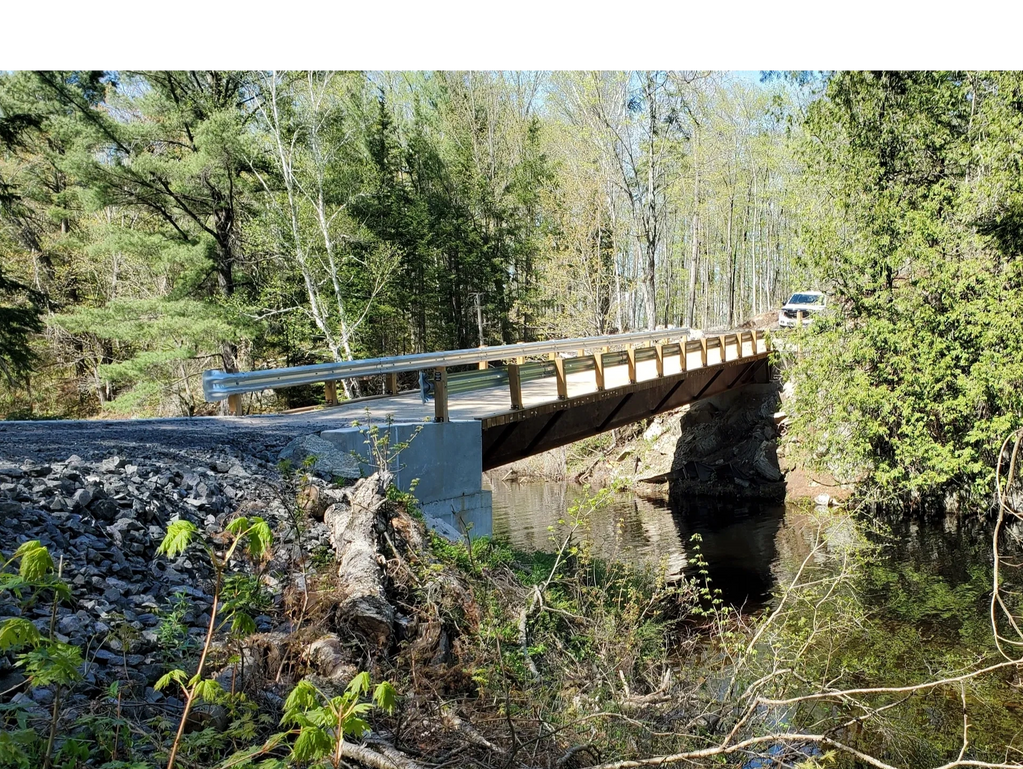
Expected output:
(329, 461)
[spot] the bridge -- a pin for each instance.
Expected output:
(495, 405)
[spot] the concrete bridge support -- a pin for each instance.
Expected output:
(439, 462)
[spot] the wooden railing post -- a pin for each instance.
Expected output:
(631, 352)
(703, 351)
(440, 395)
(234, 405)
(391, 384)
(515, 386)
(598, 369)
(721, 348)
(738, 343)
(483, 364)
(683, 354)
(330, 393)
(659, 351)
(559, 372)
(753, 341)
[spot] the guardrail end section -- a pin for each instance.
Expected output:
(209, 381)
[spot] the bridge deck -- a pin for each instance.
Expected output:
(480, 404)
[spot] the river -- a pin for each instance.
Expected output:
(743, 545)
(919, 591)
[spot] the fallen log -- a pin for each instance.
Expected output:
(353, 525)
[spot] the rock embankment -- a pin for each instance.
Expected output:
(350, 570)
(102, 522)
(730, 446)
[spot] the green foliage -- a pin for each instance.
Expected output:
(178, 538)
(20, 317)
(256, 533)
(16, 633)
(155, 342)
(35, 560)
(320, 723)
(474, 556)
(256, 530)
(46, 662)
(51, 663)
(243, 596)
(177, 676)
(913, 381)
(172, 631)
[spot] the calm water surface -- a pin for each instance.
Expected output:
(747, 547)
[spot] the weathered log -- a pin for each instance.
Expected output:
(353, 524)
(327, 656)
(370, 758)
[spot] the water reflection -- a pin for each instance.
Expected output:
(737, 541)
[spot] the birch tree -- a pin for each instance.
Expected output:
(312, 144)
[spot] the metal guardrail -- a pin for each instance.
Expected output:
(218, 385)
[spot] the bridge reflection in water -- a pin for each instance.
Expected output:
(739, 541)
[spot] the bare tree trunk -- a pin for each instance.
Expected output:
(694, 261)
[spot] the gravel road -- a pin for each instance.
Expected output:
(54, 441)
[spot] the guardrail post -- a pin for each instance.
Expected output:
(738, 343)
(234, 405)
(483, 365)
(440, 395)
(515, 386)
(598, 369)
(330, 392)
(683, 354)
(391, 384)
(559, 372)
(659, 348)
(631, 352)
(703, 351)
(721, 342)
(753, 341)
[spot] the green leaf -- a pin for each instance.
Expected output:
(385, 697)
(35, 560)
(16, 633)
(359, 684)
(177, 676)
(312, 743)
(355, 726)
(242, 624)
(238, 525)
(245, 757)
(208, 690)
(302, 698)
(52, 662)
(260, 538)
(178, 538)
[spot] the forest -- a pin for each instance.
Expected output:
(170, 222)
